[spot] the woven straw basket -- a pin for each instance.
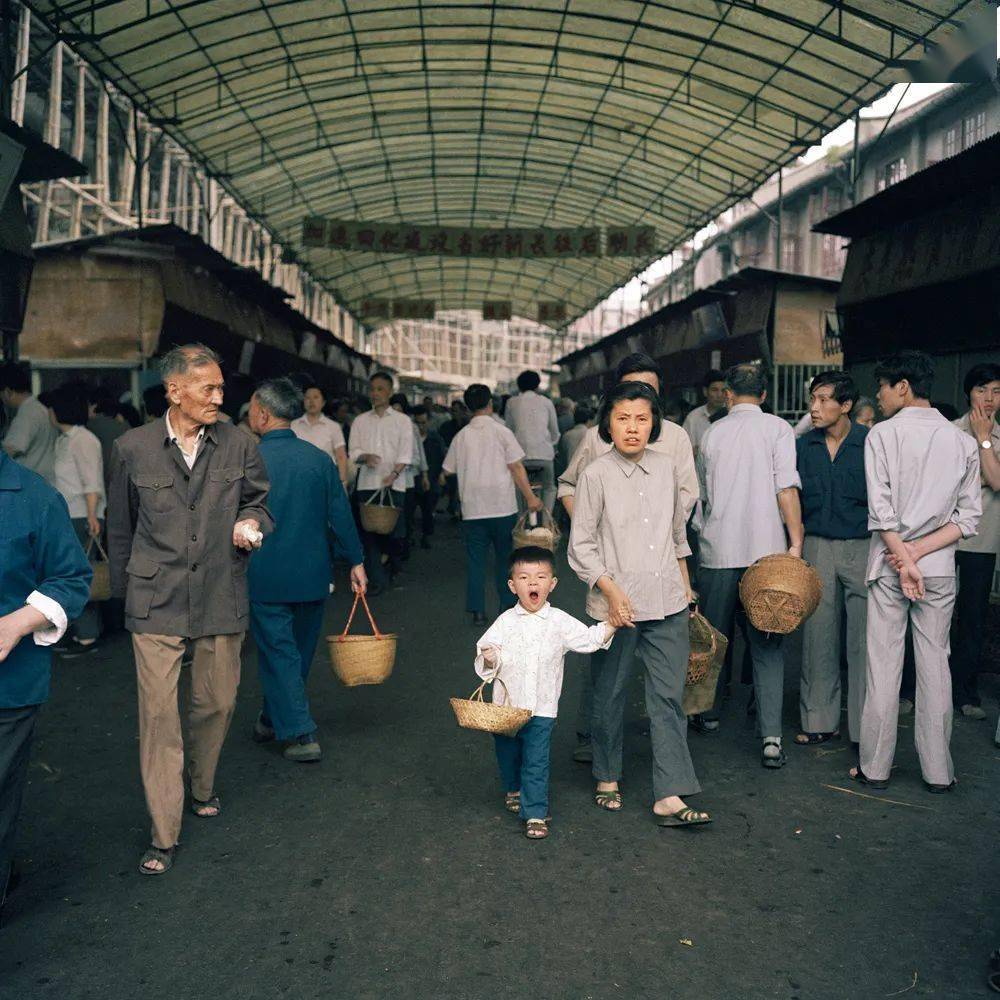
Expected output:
(779, 593)
(100, 584)
(362, 659)
(545, 535)
(704, 646)
(377, 516)
(486, 716)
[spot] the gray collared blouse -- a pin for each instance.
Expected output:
(628, 524)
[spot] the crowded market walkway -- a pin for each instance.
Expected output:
(390, 870)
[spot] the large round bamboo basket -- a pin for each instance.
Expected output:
(779, 593)
(362, 659)
(378, 517)
(704, 646)
(486, 716)
(100, 583)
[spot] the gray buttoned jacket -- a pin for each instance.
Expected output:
(170, 529)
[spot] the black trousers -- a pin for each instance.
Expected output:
(16, 728)
(428, 502)
(975, 580)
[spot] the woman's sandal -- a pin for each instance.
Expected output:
(512, 802)
(683, 817)
(212, 803)
(814, 739)
(856, 774)
(611, 801)
(536, 829)
(165, 855)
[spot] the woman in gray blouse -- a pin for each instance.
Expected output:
(629, 544)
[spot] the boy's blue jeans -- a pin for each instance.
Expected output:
(524, 765)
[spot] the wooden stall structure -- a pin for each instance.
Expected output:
(787, 321)
(104, 307)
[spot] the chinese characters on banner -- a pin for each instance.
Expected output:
(397, 308)
(497, 311)
(551, 312)
(495, 244)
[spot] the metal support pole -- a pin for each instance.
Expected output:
(855, 160)
(777, 221)
(6, 57)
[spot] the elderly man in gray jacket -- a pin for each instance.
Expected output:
(186, 505)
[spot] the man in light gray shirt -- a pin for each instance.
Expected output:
(31, 439)
(749, 491)
(533, 420)
(922, 475)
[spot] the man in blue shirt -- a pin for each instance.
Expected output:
(831, 464)
(290, 576)
(44, 583)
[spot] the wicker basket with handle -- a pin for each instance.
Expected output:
(377, 516)
(362, 659)
(544, 534)
(780, 592)
(486, 716)
(100, 583)
(704, 647)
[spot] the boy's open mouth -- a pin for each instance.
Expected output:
(533, 595)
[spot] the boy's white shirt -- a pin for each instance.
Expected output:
(533, 647)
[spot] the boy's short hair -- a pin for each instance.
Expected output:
(477, 396)
(628, 391)
(844, 389)
(531, 554)
(914, 366)
(979, 375)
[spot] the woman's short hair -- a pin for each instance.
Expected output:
(69, 404)
(627, 392)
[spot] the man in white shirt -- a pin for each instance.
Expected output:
(31, 438)
(382, 448)
(922, 475)
(318, 429)
(486, 458)
(749, 489)
(713, 388)
(533, 420)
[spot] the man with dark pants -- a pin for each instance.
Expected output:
(290, 576)
(44, 582)
(434, 451)
(749, 489)
(831, 464)
(486, 458)
(187, 503)
(976, 557)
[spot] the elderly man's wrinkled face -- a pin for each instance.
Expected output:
(197, 394)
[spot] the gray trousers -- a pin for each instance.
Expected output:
(663, 647)
(16, 728)
(719, 591)
(841, 564)
(541, 472)
(930, 619)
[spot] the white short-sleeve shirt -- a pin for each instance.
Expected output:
(79, 470)
(326, 434)
(480, 455)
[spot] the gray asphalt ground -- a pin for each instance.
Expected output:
(391, 871)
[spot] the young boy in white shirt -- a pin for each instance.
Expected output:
(526, 647)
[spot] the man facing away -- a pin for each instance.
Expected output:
(697, 422)
(382, 448)
(750, 495)
(922, 475)
(831, 464)
(532, 418)
(671, 441)
(186, 505)
(31, 438)
(290, 576)
(486, 458)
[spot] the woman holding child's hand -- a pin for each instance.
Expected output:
(629, 544)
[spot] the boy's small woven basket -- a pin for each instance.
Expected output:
(545, 534)
(486, 716)
(779, 593)
(704, 646)
(362, 659)
(100, 583)
(378, 516)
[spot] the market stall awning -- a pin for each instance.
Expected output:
(554, 113)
